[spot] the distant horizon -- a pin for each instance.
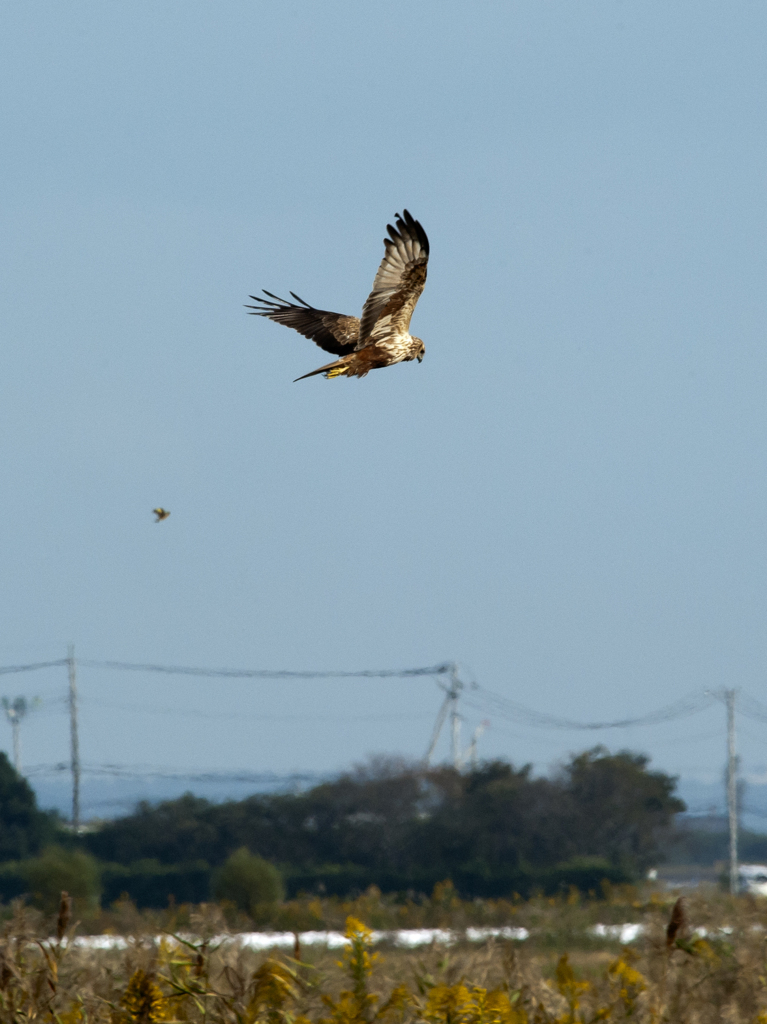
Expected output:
(111, 798)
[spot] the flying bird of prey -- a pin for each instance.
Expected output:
(382, 336)
(161, 514)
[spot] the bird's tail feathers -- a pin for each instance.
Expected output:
(336, 369)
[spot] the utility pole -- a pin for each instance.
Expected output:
(75, 745)
(732, 790)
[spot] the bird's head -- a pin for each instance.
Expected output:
(420, 351)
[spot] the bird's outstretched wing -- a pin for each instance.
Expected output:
(398, 283)
(332, 331)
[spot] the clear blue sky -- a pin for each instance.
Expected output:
(568, 496)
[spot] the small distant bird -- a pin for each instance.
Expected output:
(161, 514)
(382, 336)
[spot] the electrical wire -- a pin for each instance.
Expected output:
(13, 669)
(184, 712)
(478, 697)
(229, 673)
(516, 712)
(149, 772)
(751, 707)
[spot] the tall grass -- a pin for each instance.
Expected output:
(710, 967)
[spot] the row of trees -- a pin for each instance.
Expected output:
(493, 830)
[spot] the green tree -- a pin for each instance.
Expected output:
(57, 869)
(24, 829)
(248, 881)
(621, 810)
(403, 826)
(173, 831)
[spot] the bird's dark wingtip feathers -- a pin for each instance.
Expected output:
(407, 224)
(272, 304)
(262, 310)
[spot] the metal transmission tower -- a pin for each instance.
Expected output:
(731, 775)
(732, 788)
(455, 736)
(728, 697)
(449, 707)
(15, 711)
(74, 741)
(452, 691)
(470, 754)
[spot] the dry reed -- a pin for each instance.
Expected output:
(714, 969)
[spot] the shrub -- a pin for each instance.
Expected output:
(57, 869)
(151, 884)
(248, 881)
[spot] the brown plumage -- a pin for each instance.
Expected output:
(677, 923)
(64, 916)
(161, 514)
(382, 336)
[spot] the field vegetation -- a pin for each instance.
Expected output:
(182, 965)
(494, 831)
(389, 847)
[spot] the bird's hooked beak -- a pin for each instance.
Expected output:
(419, 357)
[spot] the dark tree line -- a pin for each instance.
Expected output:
(491, 830)
(24, 829)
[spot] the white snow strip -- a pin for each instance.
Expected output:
(333, 940)
(411, 937)
(704, 933)
(406, 937)
(622, 932)
(99, 942)
(336, 940)
(480, 934)
(265, 940)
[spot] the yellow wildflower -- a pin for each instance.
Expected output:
(143, 1000)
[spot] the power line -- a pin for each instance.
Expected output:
(74, 741)
(504, 707)
(475, 696)
(752, 708)
(732, 788)
(149, 772)
(12, 669)
(186, 712)
(759, 812)
(230, 673)
(516, 712)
